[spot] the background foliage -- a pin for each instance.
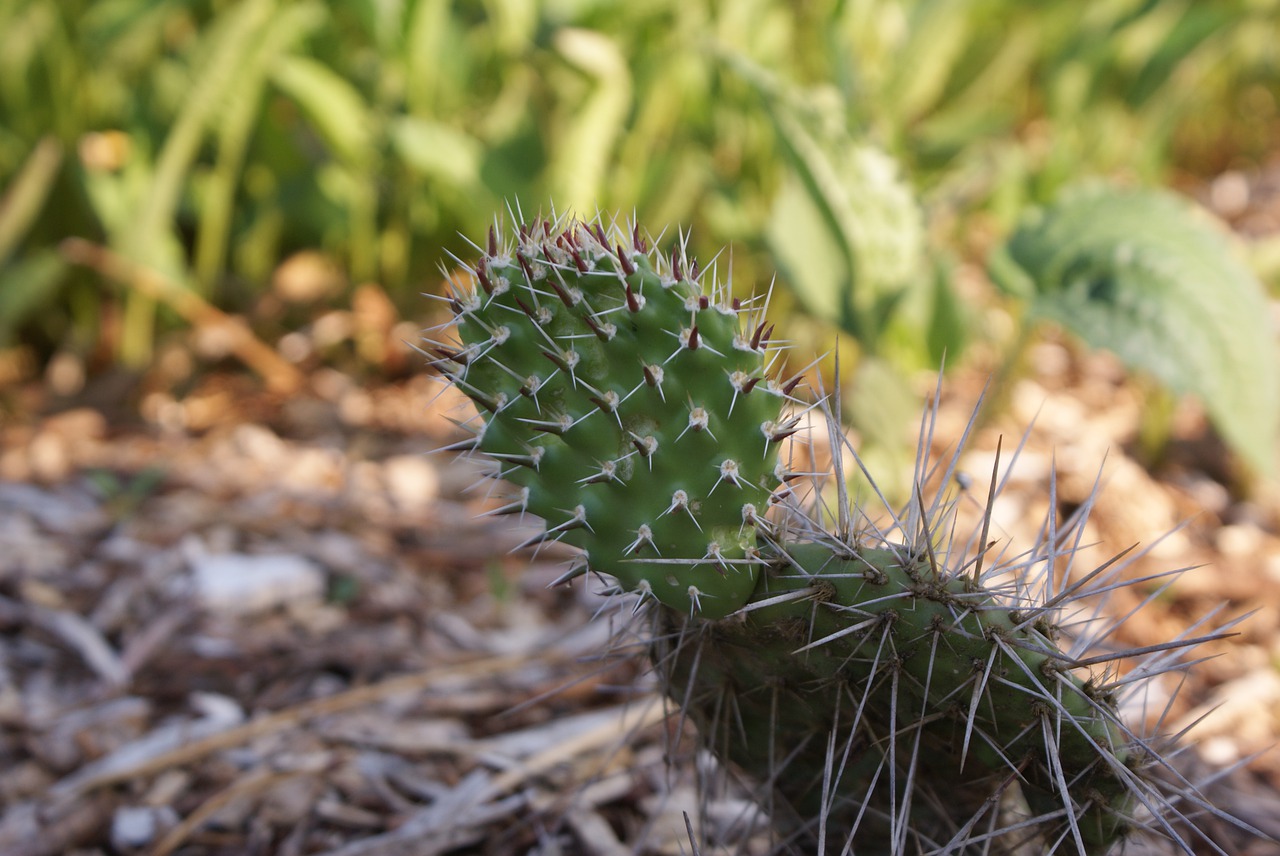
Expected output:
(863, 148)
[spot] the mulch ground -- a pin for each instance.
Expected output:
(236, 625)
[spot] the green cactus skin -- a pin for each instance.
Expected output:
(632, 406)
(914, 670)
(895, 698)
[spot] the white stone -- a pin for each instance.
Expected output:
(241, 583)
(135, 826)
(411, 480)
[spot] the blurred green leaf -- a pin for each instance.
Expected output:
(22, 200)
(427, 40)
(1197, 23)
(1143, 275)
(593, 127)
(879, 404)
(810, 257)
(151, 239)
(437, 150)
(335, 106)
(26, 287)
(938, 31)
(393, 125)
(845, 228)
(288, 25)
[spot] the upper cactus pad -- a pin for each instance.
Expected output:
(629, 403)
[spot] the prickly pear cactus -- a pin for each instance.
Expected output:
(631, 406)
(893, 692)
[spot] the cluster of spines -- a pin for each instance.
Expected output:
(599, 397)
(632, 405)
(924, 668)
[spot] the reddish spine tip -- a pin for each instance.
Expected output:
(561, 293)
(694, 270)
(750, 385)
(595, 327)
(704, 302)
(693, 338)
(757, 336)
(638, 241)
(524, 307)
(627, 267)
(525, 266)
(482, 274)
(450, 356)
(598, 231)
(493, 240)
(579, 261)
(632, 303)
(792, 384)
(677, 270)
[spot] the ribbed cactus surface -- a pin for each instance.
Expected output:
(891, 695)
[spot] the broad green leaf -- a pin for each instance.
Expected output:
(587, 141)
(1141, 274)
(333, 104)
(922, 70)
(809, 257)
(848, 199)
(437, 150)
(150, 239)
(289, 24)
(845, 228)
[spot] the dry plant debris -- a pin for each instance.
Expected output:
(289, 632)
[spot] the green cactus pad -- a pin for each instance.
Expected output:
(631, 402)
(890, 695)
(923, 678)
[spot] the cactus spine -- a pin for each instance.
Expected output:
(895, 697)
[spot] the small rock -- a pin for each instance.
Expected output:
(411, 480)
(259, 444)
(240, 583)
(135, 826)
(1229, 193)
(1239, 540)
(307, 276)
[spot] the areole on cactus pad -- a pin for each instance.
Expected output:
(890, 691)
